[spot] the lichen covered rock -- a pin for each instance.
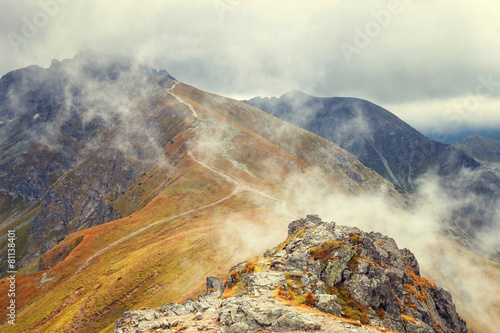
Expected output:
(329, 269)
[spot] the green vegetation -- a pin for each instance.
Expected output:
(234, 285)
(324, 251)
(183, 237)
(353, 264)
(72, 175)
(22, 231)
(379, 311)
(355, 239)
(9, 204)
(350, 307)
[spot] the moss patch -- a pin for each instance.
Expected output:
(324, 251)
(350, 307)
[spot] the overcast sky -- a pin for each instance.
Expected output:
(435, 64)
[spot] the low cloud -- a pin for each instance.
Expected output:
(442, 119)
(258, 48)
(471, 279)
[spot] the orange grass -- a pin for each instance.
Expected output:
(142, 262)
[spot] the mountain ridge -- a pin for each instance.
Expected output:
(193, 176)
(482, 149)
(401, 154)
(351, 110)
(139, 153)
(61, 119)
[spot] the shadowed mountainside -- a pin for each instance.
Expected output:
(71, 149)
(398, 152)
(377, 137)
(483, 150)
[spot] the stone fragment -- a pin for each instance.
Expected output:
(333, 271)
(265, 280)
(215, 286)
(328, 304)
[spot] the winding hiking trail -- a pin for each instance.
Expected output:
(181, 101)
(141, 230)
(238, 187)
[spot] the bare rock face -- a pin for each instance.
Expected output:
(337, 270)
(66, 145)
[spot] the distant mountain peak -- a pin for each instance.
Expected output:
(377, 137)
(478, 137)
(295, 94)
(480, 148)
(394, 149)
(107, 64)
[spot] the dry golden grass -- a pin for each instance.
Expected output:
(98, 293)
(169, 261)
(408, 319)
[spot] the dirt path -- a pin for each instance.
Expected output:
(181, 101)
(223, 175)
(226, 177)
(137, 232)
(238, 187)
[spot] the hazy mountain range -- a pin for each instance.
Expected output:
(400, 153)
(127, 187)
(377, 137)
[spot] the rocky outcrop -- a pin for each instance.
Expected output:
(320, 269)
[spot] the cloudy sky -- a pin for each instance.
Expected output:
(434, 63)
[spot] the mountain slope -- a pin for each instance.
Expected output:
(480, 148)
(398, 152)
(71, 135)
(377, 137)
(201, 182)
(190, 173)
